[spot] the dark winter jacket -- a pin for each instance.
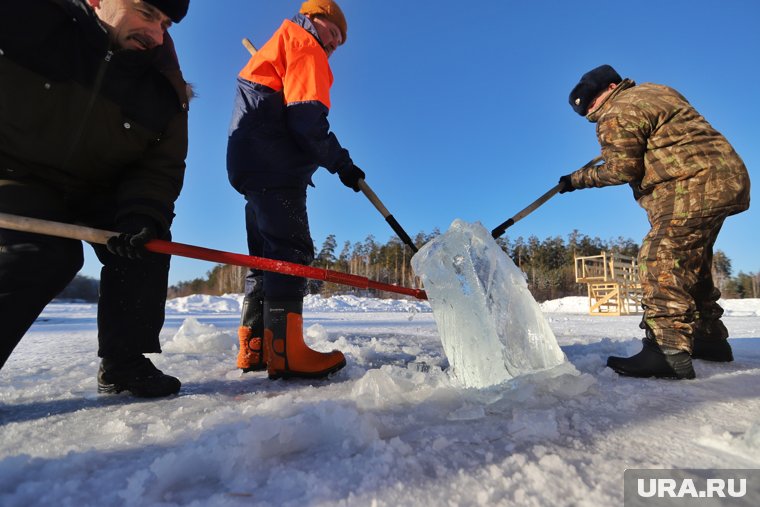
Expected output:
(279, 134)
(85, 119)
(677, 164)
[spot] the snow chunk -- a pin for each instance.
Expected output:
(317, 333)
(203, 303)
(195, 337)
(743, 445)
(569, 304)
(467, 412)
(529, 424)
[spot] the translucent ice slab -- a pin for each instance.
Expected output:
(491, 327)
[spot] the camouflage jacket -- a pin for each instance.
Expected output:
(677, 164)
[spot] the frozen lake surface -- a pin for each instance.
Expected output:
(392, 428)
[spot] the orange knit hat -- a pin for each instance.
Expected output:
(328, 9)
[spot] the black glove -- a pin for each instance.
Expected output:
(350, 175)
(136, 230)
(567, 184)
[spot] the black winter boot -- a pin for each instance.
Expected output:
(136, 375)
(712, 350)
(654, 361)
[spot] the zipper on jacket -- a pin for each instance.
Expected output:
(90, 104)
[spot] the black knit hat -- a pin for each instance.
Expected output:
(174, 9)
(592, 83)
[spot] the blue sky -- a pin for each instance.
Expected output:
(459, 110)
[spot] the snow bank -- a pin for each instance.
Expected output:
(570, 304)
(741, 307)
(231, 303)
(579, 305)
(203, 303)
(364, 304)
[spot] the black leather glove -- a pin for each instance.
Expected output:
(136, 230)
(350, 176)
(567, 184)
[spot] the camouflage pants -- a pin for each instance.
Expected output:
(679, 298)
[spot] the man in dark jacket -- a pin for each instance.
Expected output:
(279, 135)
(688, 178)
(93, 124)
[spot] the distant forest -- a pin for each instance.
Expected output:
(548, 265)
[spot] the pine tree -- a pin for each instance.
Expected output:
(326, 257)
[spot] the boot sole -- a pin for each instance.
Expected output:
(109, 389)
(664, 377)
(667, 376)
(306, 375)
(714, 359)
(138, 393)
(254, 368)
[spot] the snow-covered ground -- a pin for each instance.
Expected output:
(392, 428)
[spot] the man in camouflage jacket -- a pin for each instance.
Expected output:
(688, 178)
(93, 130)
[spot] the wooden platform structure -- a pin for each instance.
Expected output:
(613, 283)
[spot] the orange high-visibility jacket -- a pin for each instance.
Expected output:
(279, 132)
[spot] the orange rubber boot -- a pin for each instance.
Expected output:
(287, 354)
(251, 355)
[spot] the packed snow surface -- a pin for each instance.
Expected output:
(491, 328)
(392, 428)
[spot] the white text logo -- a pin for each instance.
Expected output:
(714, 488)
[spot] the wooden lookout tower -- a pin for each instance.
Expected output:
(613, 283)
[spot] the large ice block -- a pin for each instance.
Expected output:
(491, 327)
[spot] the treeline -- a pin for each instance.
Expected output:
(548, 265)
(741, 286)
(387, 263)
(81, 288)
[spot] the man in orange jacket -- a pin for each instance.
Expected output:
(279, 136)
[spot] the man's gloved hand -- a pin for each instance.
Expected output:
(136, 230)
(350, 175)
(567, 184)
